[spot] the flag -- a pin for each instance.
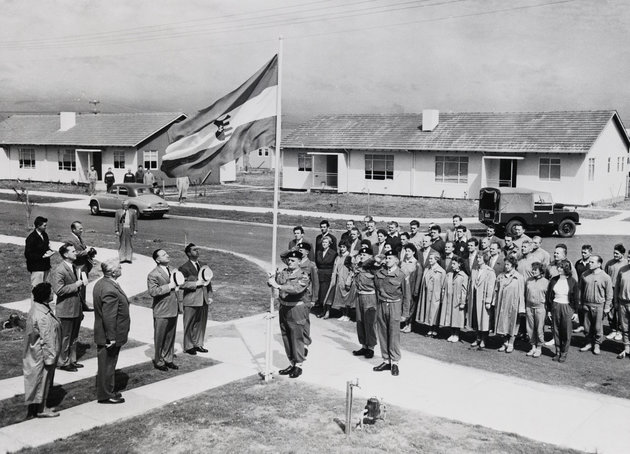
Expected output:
(241, 121)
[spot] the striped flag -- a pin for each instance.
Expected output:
(241, 121)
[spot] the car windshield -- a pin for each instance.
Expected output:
(542, 198)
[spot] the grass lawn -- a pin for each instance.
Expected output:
(596, 214)
(36, 199)
(236, 285)
(250, 416)
(83, 391)
(81, 188)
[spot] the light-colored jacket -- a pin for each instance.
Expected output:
(68, 290)
(165, 303)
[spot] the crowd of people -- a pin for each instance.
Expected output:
(395, 282)
(59, 302)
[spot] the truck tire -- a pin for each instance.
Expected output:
(510, 226)
(94, 208)
(566, 228)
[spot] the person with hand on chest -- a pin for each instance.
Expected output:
(196, 299)
(163, 289)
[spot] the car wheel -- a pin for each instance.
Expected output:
(94, 209)
(509, 227)
(566, 229)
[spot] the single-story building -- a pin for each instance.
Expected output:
(579, 156)
(62, 147)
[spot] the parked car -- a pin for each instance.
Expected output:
(503, 208)
(140, 197)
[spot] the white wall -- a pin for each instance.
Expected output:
(292, 178)
(606, 185)
(570, 188)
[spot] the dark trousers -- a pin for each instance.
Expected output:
(366, 320)
(69, 335)
(292, 322)
(562, 326)
(107, 359)
(195, 321)
(324, 284)
(593, 325)
(164, 339)
(388, 329)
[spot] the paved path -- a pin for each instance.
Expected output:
(589, 421)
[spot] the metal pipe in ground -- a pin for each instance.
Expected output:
(349, 386)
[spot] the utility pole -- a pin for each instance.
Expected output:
(95, 102)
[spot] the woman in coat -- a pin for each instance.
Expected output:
(325, 261)
(430, 294)
(413, 271)
(42, 345)
(482, 281)
(339, 296)
(454, 294)
(562, 302)
(509, 302)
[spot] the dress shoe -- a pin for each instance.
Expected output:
(163, 367)
(611, 335)
(287, 370)
(406, 329)
(538, 352)
(563, 358)
(296, 372)
(112, 400)
(596, 350)
(77, 365)
(69, 368)
(556, 357)
(361, 352)
(395, 370)
(172, 366)
(579, 329)
(381, 367)
(191, 351)
(509, 348)
(475, 344)
(48, 414)
(201, 349)
(618, 336)
(502, 348)
(586, 348)
(369, 353)
(531, 352)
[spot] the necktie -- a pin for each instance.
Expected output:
(197, 266)
(74, 270)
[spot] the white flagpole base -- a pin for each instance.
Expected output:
(267, 374)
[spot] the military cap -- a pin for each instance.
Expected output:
(366, 250)
(293, 254)
(390, 252)
(305, 245)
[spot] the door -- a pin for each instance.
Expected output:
(97, 163)
(507, 173)
(331, 171)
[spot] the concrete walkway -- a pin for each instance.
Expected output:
(583, 420)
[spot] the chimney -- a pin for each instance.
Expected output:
(67, 120)
(430, 119)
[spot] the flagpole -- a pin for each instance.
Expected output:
(268, 374)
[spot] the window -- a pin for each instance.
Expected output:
(591, 169)
(67, 160)
(451, 169)
(119, 159)
(609, 165)
(27, 158)
(266, 152)
(151, 159)
(549, 169)
(379, 166)
(122, 191)
(259, 152)
(619, 163)
(305, 162)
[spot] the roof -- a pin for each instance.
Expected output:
(521, 132)
(90, 130)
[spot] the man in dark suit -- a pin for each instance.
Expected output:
(68, 287)
(165, 309)
(83, 263)
(111, 328)
(298, 239)
(126, 226)
(197, 297)
(437, 243)
(324, 226)
(393, 236)
(496, 260)
(37, 252)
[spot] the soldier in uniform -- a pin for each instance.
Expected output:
(363, 277)
(393, 295)
(293, 286)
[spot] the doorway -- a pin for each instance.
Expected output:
(507, 173)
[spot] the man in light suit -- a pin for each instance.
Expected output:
(69, 290)
(111, 328)
(165, 308)
(126, 226)
(84, 255)
(197, 297)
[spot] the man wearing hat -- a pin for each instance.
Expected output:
(393, 295)
(363, 277)
(197, 297)
(162, 289)
(309, 268)
(293, 286)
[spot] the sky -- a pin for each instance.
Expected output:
(338, 56)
